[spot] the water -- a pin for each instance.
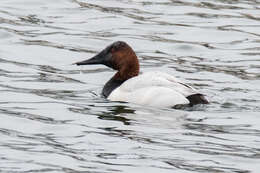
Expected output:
(54, 120)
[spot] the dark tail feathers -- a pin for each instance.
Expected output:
(197, 99)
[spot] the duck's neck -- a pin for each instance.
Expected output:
(125, 72)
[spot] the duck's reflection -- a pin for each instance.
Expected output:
(116, 113)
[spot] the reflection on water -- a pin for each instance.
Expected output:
(53, 118)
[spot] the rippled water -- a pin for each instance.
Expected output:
(54, 120)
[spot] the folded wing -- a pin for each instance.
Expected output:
(154, 89)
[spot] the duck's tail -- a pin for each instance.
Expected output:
(197, 99)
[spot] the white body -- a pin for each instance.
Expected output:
(155, 89)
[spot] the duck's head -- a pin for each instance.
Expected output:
(119, 56)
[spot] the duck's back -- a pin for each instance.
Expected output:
(153, 89)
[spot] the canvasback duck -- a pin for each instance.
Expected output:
(156, 89)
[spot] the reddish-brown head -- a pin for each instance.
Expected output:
(118, 56)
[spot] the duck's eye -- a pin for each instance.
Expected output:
(113, 49)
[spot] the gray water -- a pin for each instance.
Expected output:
(53, 119)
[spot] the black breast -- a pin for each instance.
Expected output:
(110, 86)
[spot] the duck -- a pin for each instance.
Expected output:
(154, 88)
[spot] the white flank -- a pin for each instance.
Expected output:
(155, 89)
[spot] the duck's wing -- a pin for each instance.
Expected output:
(154, 89)
(158, 79)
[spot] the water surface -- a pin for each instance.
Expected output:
(53, 118)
